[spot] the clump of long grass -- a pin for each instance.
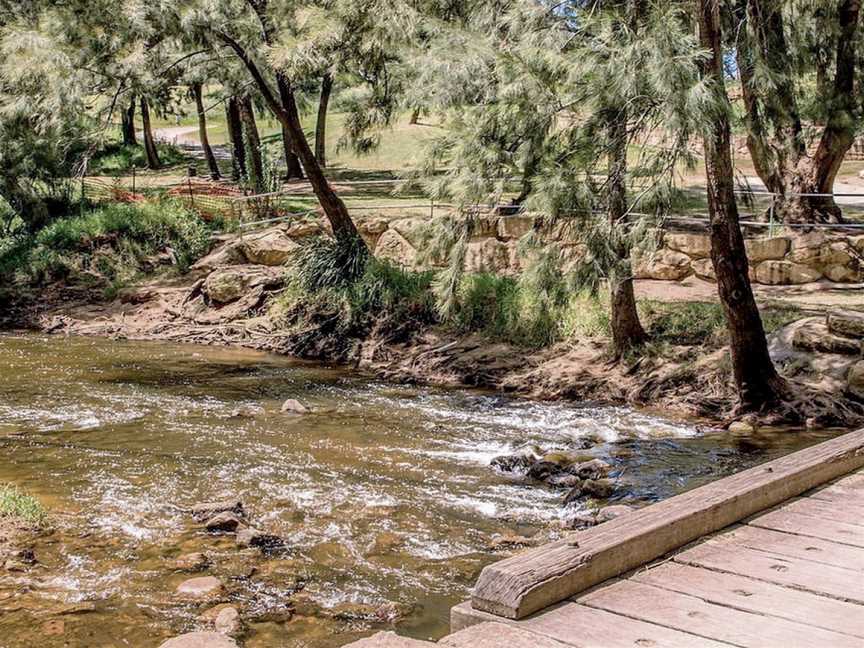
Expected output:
(22, 508)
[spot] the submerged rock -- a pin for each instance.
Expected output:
(200, 640)
(192, 562)
(608, 513)
(293, 406)
(593, 469)
(543, 470)
(228, 621)
(510, 541)
(266, 542)
(203, 587)
(599, 488)
(518, 463)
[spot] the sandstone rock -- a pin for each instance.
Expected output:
(696, 246)
(293, 406)
(206, 510)
(741, 427)
(572, 496)
(225, 285)
(857, 243)
(226, 255)
(487, 255)
(192, 562)
(847, 323)
(564, 480)
(200, 640)
(666, 265)
(594, 469)
(850, 273)
(781, 273)
(767, 249)
(228, 622)
(543, 470)
(393, 246)
(226, 522)
(599, 488)
(807, 248)
(704, 269)
(510, 541)
(305, 228)
(518, 464)
(855, 380)
(514, 227)
(271, 248)
(412, 229)
(608, 513)
(815, 336)
(266, 542)
(373, 226)
(203, 587)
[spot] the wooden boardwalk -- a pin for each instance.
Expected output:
(790, 575)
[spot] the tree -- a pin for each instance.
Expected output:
(235, 135)
(130, 137)
(799, 62)
(759, 385)
(150, 149)
(198, 94)
(321, 121)
(252, 141)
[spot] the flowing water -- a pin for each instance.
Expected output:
(383, 493)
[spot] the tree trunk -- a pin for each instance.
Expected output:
(255, 163)
(292, 162)
(627, 331)
(202, 132)
(128, 127)
(758, 384)
(235, 134)
(775, 135)
(321, 122)
(149, 143)
(415, 117)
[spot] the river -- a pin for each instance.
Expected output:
(383, 494)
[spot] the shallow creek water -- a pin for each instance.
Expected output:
(384, 493)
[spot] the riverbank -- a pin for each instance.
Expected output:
(240, 295)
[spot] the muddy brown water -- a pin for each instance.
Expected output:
(383, 494)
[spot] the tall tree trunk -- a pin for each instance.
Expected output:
(415, 116)
(321, 121)
(255, 163)
(235, 134)
(284, 107)
(627, 331)
(775, 135)
(153, 161)
(292, 162)
(197, 90)
(128, 127)
(759, 386)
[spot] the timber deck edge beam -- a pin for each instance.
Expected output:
(530, 581)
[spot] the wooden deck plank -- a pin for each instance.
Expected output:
(499, 635)
(850, 512)
(793, 546)
(813, 527)
(683, 612)
(758, 597)
(578, 625)
(780, 570)
(518, 586)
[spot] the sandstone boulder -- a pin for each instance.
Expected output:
(855, 380)
(192, 562)
(784, 273)
(226, 285)
(849, 273)
(305, 228)
(666, 265)
(704, 269)
(200, 640)
(271, 248)
(223, 523)
(225, 255)
(228, 622)
(514, 227)
(696, 246)
(487, 255)
(293, 406)
(266, 542)
(815, 336)
(847, 323)
(767, 249)
(393, 246)
(412, 229)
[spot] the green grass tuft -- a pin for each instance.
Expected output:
(21, 507)
(117, 158)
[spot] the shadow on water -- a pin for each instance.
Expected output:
(383, 494)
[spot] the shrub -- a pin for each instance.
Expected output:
(21, 507)
(119, 158)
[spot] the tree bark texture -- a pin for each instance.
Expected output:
(198, 92)
(152, 153)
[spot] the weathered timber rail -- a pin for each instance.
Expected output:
(770, 556)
